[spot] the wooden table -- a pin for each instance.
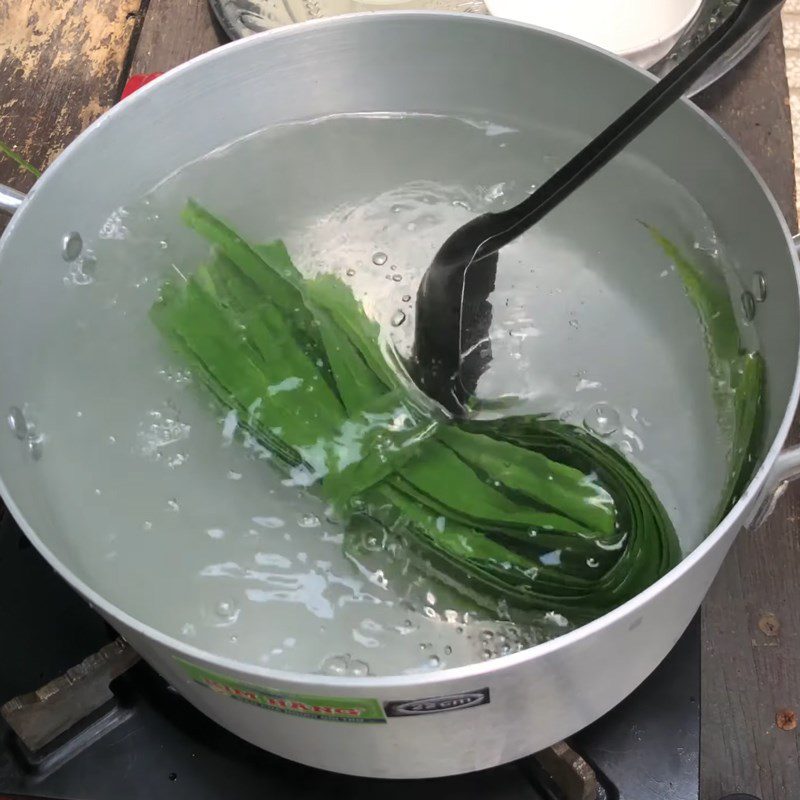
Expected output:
(64, 62)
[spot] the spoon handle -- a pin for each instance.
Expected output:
(510, 224)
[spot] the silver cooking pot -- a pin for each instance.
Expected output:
(460, 719)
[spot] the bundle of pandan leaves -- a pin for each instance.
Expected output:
(527, 510)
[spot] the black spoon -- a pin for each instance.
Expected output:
(451, 346)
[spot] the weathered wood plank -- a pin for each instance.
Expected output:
(752, 104)
(751, 618)
(61, 63)
(173, 32)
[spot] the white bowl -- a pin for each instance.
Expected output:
(643, 31)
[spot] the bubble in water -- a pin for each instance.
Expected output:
(88, 266)
(179, 377)
(748, 306)
(336, 665)
(486, 655)
(359, 669)
(448, 650)
(602, 419)
(407, 627)
(17, 422)
(226, 609)
(269, 522)
(77, 276)
(584, 385)
(234, 476)
(486, 636)
(434, 661)
(189, 630)
(592, 563)
(379, 259)
(372, 543)
(332, 516)
(234, 639)
(759, 287)
(398, 318)
(35, 447)
(160, 431)
(574, 324)
(495, 192)
(113, 227)
(177, 460)
(406, 298)
(148, 526)
(557, 619)
(173, 505)
(309, 521)
(71, 246)
(397, 277)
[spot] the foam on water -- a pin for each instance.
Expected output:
(175, 516)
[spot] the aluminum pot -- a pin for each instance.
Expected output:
(459, 719)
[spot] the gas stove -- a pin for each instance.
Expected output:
(90, 722)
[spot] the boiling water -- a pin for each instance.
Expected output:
(176, 519)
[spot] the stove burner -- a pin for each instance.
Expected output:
(40, 717)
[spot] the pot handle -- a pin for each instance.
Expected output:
(785, 470)
(10, 199)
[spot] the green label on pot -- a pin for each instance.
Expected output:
(336, 709)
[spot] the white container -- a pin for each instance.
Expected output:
(642, 32)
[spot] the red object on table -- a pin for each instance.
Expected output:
(137, 81)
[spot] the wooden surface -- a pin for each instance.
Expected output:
(61, 66)
(751, 672)
(173, 32)
(63, 61)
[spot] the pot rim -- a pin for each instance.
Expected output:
(453, 674)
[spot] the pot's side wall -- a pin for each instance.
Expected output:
(531, 704)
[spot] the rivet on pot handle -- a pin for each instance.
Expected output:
(785, 470)
(10, 199)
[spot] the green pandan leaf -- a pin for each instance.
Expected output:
(737, 374)
(524, 510)
(19, 160)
